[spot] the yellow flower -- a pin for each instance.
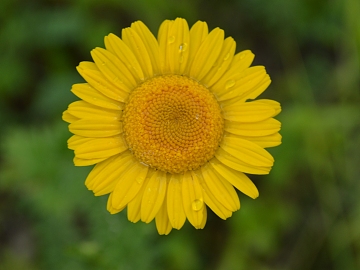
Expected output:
(170, 124)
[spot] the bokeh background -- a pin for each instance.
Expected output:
(308, 212)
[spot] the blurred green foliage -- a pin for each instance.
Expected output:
(308, 212)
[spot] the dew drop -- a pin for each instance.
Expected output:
(197, 205)
(117, 80)
(103, 63)
(183, 47)
(227, 57)
(171, 39)
(229, 84)
(139, 180)
(243, 55)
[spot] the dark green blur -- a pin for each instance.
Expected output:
(308, 212)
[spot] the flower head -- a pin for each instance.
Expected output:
(171, 123)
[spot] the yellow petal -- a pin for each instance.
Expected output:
(150, 43)
(271, 140)
(257, 89)
(154, 195)
(239, 165)
(178, 46)
(96, 128)
(237, 179)
(236, 71)
(129, 184)
(174, 202)
(210, 199)
(198, 33)
(106, 168)
(106, 181)
(162, 221)
(136, 44)
(134, 206)
(118, 47)
(193, 200)
(76, 140)
(163, 39)
(88, 65)
(92, 96)
(84, 110)
(203, 223)
(222, 189)
(113, 69)
(68, 117)
(238, 83)
(256, 129)
(97, 80)
(241, 61)
(207, 54)
(253, 111)
(272, 103)
(110, 208)
(247, 151)
(222, 63)
(101, 147)
(86, 162)
(244, 96)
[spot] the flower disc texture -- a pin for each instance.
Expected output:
(171, 123)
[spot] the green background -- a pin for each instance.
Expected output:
(308, 212)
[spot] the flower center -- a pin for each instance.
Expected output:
(172, 123)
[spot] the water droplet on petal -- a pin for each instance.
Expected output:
(117, 80)
(171, 39)
(227, 57)
(139, 180)
(197, 205)
(243, 55)
(183, 47)
(229, 84)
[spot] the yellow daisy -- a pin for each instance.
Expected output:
(169, 124)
